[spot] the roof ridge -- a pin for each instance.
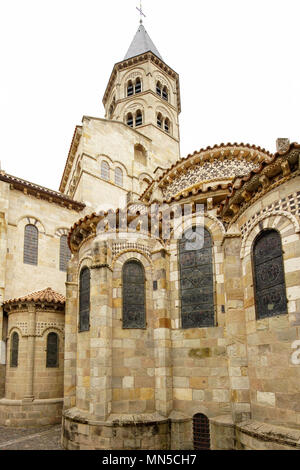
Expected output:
(47, 295)
(36, 188)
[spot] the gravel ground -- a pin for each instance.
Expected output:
(42, 438)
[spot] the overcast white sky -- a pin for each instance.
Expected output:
(238, 62)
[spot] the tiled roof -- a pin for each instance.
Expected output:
(41, 192)
(47, 295)
(252, 183)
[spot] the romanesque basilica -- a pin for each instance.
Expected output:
(135, 338)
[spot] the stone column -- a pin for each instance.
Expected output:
(3, 334)
(71, 329)
(29, 396)
(162, 335)
(4, 191)
(236, 330)
(101, 332)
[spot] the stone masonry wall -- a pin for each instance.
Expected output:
(16, 413)
(16, 377)
(274, 379)
(199, 355)
(133, 366)
(47, 382)
(116, 435)
(2, 380)
(20, 278)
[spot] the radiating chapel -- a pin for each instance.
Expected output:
(130, 336)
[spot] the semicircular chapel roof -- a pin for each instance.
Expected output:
(246, 189)
(221, 163)
(48, 296)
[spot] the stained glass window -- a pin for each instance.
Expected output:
(31, 236)
(14, 350)
(196, 279)
(269, 282)
(84, 300)
(64, 253)
(134, 313)
(52, 350)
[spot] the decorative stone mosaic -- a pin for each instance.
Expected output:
(23, 326)
(118, 247)
(290, 204)
(42, 326)
(208, 171)
(134, 208)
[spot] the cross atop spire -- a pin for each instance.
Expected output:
(141, 12)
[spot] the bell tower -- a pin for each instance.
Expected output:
(143, 92)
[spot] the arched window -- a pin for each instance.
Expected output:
(105, 170)
(167, 125)
(138, 118)
(140, 154)
(129, 120)
(64, 253)
(159, 120)
(134, 313)
(130, 88)
(201, 432)
(268, 271)
(158, 88)
(14, 350)
(84, 300)
(52, 350)
(119, 176)
(112, 108)
(31, 237)
(196, 278)
(138, 85)
(165, 93)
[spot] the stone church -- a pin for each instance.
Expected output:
(131, 336)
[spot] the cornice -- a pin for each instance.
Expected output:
(209, 154)
(41, 192)
(270, 174)
(130, 99)
(86, 228)
(70, 159)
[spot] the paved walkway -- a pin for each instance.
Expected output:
(42, 438)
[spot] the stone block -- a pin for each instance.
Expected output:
(266, 398)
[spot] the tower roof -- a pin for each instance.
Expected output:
(141, 43)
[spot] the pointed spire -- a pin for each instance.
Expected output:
(141, 43)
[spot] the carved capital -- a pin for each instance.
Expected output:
(234, 208)
(285, 168)
(264, 180)
(246, 195)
